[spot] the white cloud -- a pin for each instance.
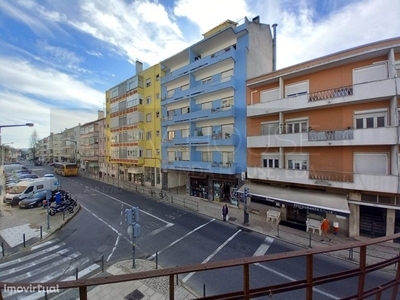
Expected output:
(60, 88)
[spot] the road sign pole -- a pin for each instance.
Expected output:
(48, 197)
(133, 249)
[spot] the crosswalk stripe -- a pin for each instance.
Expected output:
(30, 256)
(44, 244)
(264, 246)
(84, 272)
(33, 263)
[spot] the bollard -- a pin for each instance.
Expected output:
(177, 279)
(351, 253)
(204, 290)
(2, 248)
(102, 263)
(23, 238)
(76, 273)
(63, 215)
(309, 245)
(156, 260)
(41, 232)
(45, 296)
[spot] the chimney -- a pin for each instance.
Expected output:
(139, 67)
(274, 49)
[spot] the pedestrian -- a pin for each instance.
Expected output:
(325, 228)
(225, 212)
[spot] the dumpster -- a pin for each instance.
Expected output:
(335, 228)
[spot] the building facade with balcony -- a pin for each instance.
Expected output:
(323, 139)
(203, 107)
(134, 121)
(70, 139)
(89, 145)
(103, 153)
(57, 147)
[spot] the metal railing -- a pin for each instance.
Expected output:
(331, 176)
(331, 93)
(330, 135)
(305, 284)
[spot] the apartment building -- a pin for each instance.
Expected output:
(89, 145)
(323, 140)
(204, 107)
(70, 139)
(103, 154)
(134, 122)
(57, 148)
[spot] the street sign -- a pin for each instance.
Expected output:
(130, 229)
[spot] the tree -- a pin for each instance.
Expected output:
(34, 144)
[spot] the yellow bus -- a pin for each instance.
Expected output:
(66, 169)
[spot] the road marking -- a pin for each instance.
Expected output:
(180, 239)
(213, 254)
(115, 247)
(44, 244)
(292, 279)
(264, 247)
(120, 201)
(30, 256)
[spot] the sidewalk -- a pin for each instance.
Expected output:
(155, 289)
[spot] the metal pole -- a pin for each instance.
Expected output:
(2, 248)
(41, 232)
(133, 248)
(23, 238)
(309, 244)
(351, 253)
(76, 273)
(48, 213)
(102, 263)
(204, 290)
(156, 260)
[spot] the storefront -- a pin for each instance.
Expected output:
(222, 190)
(199, 187)
(135, 174)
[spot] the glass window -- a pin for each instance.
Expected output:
(148, 153)
(171, 135)
(148, 100)
(185, 133)
(296, 126)
(148, 118)
(370, 119)
(148, 82)
(148, 135)
(206, 156)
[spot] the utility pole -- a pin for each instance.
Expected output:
(132, 219)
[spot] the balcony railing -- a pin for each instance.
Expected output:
(332, 93)
(330, 135)
(331, 176)
(305, 285)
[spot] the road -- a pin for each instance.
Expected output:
(181, 237)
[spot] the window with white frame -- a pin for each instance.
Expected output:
(148, 153)
(148, 100)
(206, 156)
(148, 117)
(186, 155)
(185, 133)
(170, 114)
(370, 119)
(296, 126)
(270, 128)
(148, 135)
(148, 82)
(227, 102)
(227, 157)
(171, 156)
(297, 161)
(206, 80)
(270, 160)
(171, 135)
(206, 105)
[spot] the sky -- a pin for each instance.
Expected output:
(58, 58)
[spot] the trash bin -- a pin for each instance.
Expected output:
(335, 228)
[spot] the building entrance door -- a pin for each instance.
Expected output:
(372, 221)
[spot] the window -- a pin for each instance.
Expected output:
(270, 163)
(148, 135)
(148, 117)
(158, 152)
(206, 105)
(370, 119)
(148, 153)
(271, 128)
(148, 100)
(158, 96)
(170, 114)
(296, 126)
(148, 82)
(206, 156)
(297, 161)
(40, 186)
(206, 80)
(158, 133)
(171, 135)
(185, 133)
(226, 103)
(227, 157)
(186, 155)
(157, 114)
(157, 77)
(185, 110)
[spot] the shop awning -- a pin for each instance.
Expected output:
(135, 170)
(303, 199)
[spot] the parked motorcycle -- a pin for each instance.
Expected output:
(66, 204)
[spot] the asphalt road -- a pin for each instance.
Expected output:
(181, 237)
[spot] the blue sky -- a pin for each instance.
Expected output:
(57, 58)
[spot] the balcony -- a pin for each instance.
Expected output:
(379, 89)
(200, 88)
(342, 137)
(200, 166)
(229, 53)
(205, 114)
(340, 180)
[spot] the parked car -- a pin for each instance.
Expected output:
(25, 176)
(38, 163)
(35, 200)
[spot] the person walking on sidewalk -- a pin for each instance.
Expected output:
(325, 228)
(225, 212)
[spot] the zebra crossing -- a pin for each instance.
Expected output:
(52, 261)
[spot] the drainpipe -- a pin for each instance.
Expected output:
(274, 48)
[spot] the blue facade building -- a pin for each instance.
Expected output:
(203, 107)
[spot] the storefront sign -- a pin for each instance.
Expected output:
(317, 209)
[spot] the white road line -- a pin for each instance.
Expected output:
(45, 268)
(157, 231)
(292, 279)
(131, 206)
(44, 244)
(180, 239)
(213, 254)
(264, 247)
(115, 247)
(30, 256)
(34, 263)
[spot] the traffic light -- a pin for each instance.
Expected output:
(136, 230)
(135, 214)
(128, 216)
(246, 191)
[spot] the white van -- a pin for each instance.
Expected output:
(27, 187)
